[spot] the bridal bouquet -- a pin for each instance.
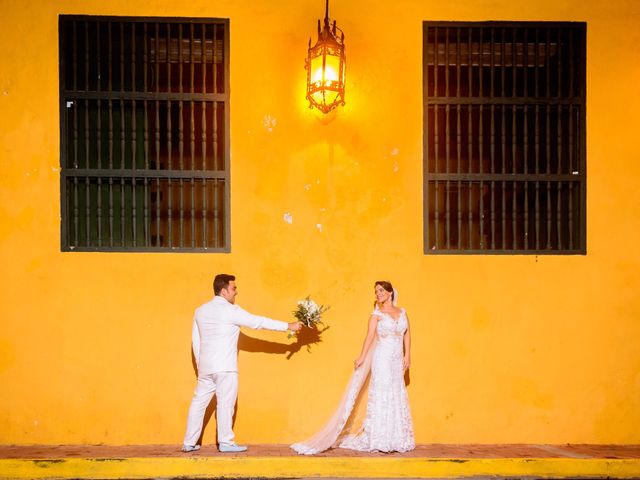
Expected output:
(309, 313)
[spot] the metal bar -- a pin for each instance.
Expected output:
(99, 134)
(87, 138)
(134, 139)
(157, 136)
(571, 135)
(145, 60)
(87, 211)
(169, 145)
(204, 144)
(480, 148)
(537, 170)
(571, 146)
(427, 132)
(526, 147)
(559, 142)
(514, 76)
(156, 249)
(76, 213)
(548, 140)
(484, 100)
(503, 54)
(436, 213)
(75, 137)
(503, 150)
(492, 63)
(75, 55)
(537, 142)
(213, 62)
(86, 87)
(470, 142)
(426, 65)
(446, 67)
(514, 195)
(181, 137)
(492, 145)
(548, 170)
(110, 87)
(123, 148)
(214, 133)
(498, 177)
(192, 140)
(459, 139)
(444, 251)
(514, 151)
(447, 149)
(571, 64)
(526, 170)
(582, 152)
(163, 96)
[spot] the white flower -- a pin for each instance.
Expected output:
(309, 312)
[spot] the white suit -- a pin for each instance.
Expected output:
(216, 327)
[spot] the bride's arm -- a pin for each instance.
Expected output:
(368, 340)
(406, 361)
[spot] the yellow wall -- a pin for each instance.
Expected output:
(94, 347)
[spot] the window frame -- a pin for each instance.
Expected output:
(430, 178)
(202, 175)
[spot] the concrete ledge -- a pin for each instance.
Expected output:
(278, 463)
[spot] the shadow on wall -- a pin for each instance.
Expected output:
(306, 338)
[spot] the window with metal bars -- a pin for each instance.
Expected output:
(144, 112)
(504, 137)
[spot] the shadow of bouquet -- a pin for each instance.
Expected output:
(306, 337)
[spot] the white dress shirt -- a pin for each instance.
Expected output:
(216, 327)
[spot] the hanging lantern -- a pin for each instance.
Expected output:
(326, 66)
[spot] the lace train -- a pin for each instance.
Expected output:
(387, 425)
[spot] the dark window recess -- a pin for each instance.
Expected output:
(144, 108)
(504, 138)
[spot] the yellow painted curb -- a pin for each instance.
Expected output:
(277, 467)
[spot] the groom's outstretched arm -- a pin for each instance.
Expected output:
(243, 318)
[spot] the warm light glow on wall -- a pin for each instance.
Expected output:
(326, 66)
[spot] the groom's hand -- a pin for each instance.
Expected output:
(295, 326)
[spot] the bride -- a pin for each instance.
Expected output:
(387, 425)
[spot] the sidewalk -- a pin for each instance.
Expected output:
(278, 461)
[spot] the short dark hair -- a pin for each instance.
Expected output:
(222, 281)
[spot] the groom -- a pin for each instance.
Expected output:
(216, 327)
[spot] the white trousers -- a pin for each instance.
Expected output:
(225, 386)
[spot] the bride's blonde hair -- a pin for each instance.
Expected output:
(388, 287)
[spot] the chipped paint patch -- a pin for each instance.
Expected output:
(287, 217)
(269, 122)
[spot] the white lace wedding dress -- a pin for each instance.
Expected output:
(379, 381)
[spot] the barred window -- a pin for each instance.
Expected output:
(144, 112)
(504, 138)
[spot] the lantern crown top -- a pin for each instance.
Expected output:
(329, 32)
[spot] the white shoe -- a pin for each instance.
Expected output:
(190, 448)
(231, 447)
